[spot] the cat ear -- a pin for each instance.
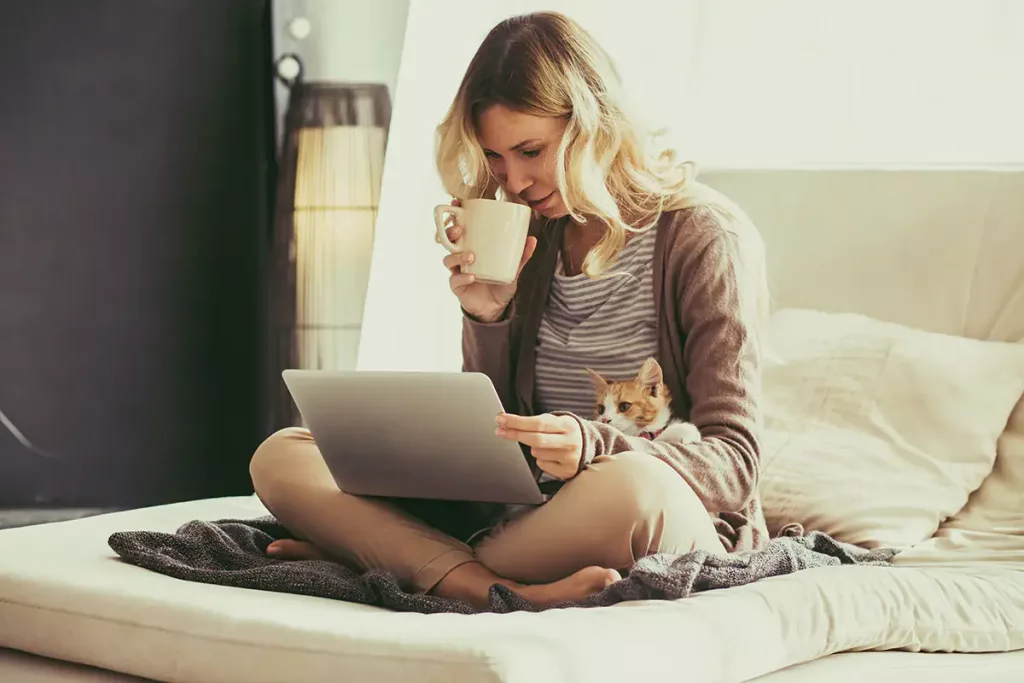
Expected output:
(599, 383)
(650, 374)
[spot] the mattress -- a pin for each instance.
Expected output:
(877, 667)
(21, 667)
(66, 596)
(905, 667)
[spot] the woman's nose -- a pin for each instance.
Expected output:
(517, 179)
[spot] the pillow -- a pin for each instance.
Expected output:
(990, 528)
(997, 507)
(875, 433)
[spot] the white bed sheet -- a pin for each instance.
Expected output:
(65, 595)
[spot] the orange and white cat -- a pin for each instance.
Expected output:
(640, 406)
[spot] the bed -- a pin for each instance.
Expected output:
(891, 274)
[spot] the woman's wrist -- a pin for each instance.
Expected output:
(496, 315)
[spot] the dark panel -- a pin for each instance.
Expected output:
(135, 167)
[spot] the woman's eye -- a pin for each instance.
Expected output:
(530, 153)
(623, 407)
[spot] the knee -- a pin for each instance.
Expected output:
(270, 458)
(647, 501)
(637, 487)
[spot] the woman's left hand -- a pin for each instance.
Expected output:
(555, 441)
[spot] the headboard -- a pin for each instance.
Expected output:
(941, 250)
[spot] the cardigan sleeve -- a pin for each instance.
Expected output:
(487, 348)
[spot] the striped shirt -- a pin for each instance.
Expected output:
(607, 325)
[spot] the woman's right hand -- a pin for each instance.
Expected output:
(484, 301)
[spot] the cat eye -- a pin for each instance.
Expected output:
(600, 409)
(623, 407)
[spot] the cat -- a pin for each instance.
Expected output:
(641, 406)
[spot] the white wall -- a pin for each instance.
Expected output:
(411, 320)
(357, 41)
(742, 83)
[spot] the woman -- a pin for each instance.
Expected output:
(538, 119)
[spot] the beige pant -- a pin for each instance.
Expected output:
(619, 509)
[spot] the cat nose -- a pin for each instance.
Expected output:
(606, 420)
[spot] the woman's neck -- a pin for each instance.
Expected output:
(577, 241)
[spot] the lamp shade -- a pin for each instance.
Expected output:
(329, 193)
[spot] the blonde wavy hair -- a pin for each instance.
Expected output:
(608, 165)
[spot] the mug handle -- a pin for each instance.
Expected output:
(440, 211)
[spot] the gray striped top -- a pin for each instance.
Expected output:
(608, 325)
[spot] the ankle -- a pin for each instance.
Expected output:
(471, 583)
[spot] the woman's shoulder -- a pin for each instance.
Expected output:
(708, 245)
(694, 228)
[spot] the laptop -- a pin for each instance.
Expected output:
(413, 435)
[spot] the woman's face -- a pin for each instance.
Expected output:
(522, 151)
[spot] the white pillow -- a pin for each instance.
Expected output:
(997, 507)
(990, 528)
(874, 432)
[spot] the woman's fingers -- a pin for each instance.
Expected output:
(552, 424)
(552, 455)
(453, 262)
(536, 440)
(454, 233)
(528, 249)
(452, 229)
(460, 281)
(557, 468)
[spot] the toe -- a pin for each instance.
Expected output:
(288, 549)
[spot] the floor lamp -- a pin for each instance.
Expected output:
(332, 158)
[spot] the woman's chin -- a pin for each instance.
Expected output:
(554, 212)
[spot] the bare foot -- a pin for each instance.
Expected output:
(471, 582)
(573, 588)
(288, 549)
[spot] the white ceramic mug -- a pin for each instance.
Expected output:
(493, 231)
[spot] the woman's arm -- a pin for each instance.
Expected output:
(487, 348)
(720, 284)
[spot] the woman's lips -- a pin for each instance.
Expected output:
(542, 203)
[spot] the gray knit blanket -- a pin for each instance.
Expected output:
(232, 552)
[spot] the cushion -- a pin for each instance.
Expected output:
(998, 504)
(990, 528)
(875, 432)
